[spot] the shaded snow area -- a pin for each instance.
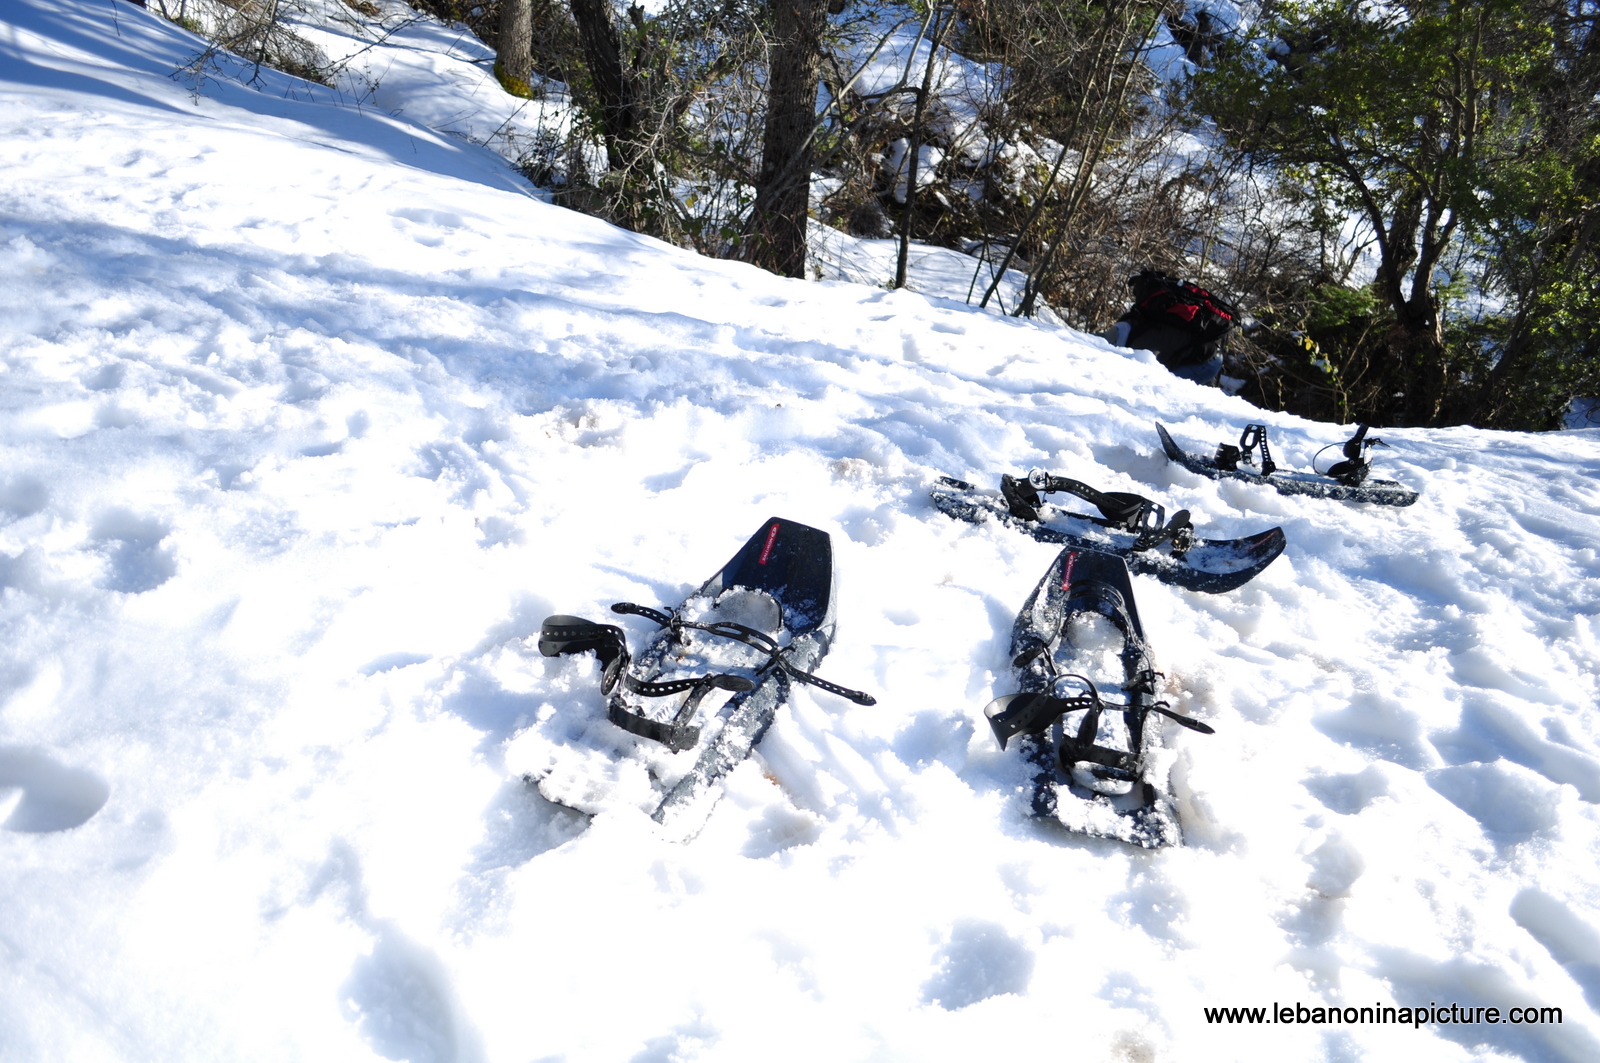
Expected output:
(312, 415)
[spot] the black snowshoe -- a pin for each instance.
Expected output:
(1346, 480)
(764, 620)
(1099, 764)
(1129, 525)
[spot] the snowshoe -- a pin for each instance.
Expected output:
(1099, 763)
(765, 620)
(1129, 525)
(1345, 481)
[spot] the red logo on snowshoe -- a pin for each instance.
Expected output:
(1066, 573)
(766, 551)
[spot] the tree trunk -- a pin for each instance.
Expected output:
(908, 217)
(602, 53)
(515, 60)
(778, 221)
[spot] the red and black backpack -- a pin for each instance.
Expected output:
(1181, 322)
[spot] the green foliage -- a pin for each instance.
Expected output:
(1335, 307)
(1448, 130)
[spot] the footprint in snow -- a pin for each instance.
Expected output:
(402, 1003)
(132, 546)
(47, 796)
(980, 961)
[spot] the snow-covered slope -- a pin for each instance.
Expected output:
(313, 414)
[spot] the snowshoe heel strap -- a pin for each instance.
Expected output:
(573, 634)
(561, 635)
(1254, 437)
(1027, 713)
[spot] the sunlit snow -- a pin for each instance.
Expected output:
(312, 413)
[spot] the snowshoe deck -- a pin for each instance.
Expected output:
(1210, 565)
(1089, 775)
(1380, 492)
(765, 620)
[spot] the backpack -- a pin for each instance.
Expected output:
(1181, 322)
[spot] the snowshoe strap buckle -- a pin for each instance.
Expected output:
(1022, 497)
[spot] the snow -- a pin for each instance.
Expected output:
(313, 413)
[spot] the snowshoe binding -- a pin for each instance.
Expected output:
(1345, 481)
(765, 620)
(1129, 525)
(1099, 764)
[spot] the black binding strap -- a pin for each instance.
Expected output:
(1033, 712)
(1254, 437)
(1119, 509)
(676, 734)
(1188, 721)
(1028, 713)
(1353, 470)
(759, 640)
(719, 681)
(561, 635)
(1122, 510)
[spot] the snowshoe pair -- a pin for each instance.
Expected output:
(1346, 480)
(1097, 761)
(767, 619)
(764, 621)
